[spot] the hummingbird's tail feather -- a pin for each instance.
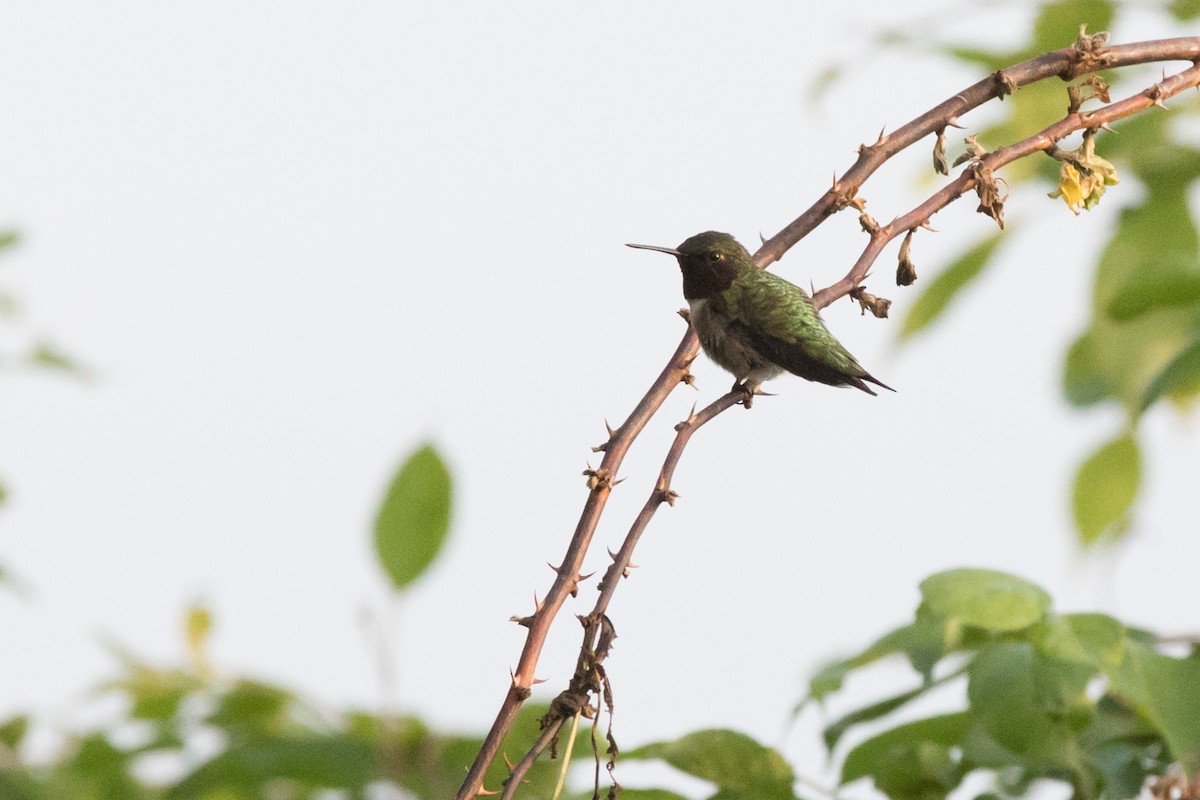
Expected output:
(873, 380)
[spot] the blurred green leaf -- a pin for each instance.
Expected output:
(1022, 699)
(1177, 288)
(985, 598)
(1094, 639)
(1184, 10)
(1057, 24)
(915, 744)
(1181, 376)
(252, 706)
(44, 355)
(833, 733)
(1151, 244)
(1105, 487)
(155, 694)
(1167, 692)
(923, 642)
(414, 520)
(7, 239)
(1084, 381)
(317, 762)
(647, 794)
(946, 286)
(733, 761)
(12, 731)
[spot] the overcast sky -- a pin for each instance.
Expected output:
(290, 241)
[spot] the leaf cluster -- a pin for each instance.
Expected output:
(1078, 698)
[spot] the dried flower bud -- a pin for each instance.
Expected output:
(906, 270)
(940, 164)
(876, 305)
(974, 150)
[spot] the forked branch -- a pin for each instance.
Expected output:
(1087, 56)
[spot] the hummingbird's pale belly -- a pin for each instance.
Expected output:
(728, 345)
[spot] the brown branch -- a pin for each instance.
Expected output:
(1066, 64)
(590, 657)
(567, 575)
(972, 176)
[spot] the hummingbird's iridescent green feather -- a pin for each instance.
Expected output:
(754, 323)
(780, 320)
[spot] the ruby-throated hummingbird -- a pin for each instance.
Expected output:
(754, 323)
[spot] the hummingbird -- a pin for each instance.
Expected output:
(754, 323)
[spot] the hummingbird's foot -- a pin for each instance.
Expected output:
(751, 390)
(748, 389)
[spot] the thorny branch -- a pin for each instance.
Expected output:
(597, 629)
(1087, 56)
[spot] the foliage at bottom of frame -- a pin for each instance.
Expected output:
(1077, 698)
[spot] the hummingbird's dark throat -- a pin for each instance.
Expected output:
(704, 278)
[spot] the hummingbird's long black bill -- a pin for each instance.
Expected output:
(669, 250)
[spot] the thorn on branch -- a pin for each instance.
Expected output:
(1005, 85)
(598, 479)
(881, 138)
(845, 194)
(1156, 94)
(906, 270)
(878, 306)
(689, 379)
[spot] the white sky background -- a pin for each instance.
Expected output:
(291, 241)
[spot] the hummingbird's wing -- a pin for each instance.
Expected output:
(778, 319)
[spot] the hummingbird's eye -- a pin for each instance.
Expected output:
(715, 256)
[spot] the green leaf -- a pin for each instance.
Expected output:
(1165, 690)
(1184, 10)
(834, 732)
(313, 761)
(1084, 382)
(1151, 242)
(7, 239)
(252, 706)
(1058, 23)
(1094, 639)
(1151, 292)
(985, 599)
(1181, 376)
(946, 286)
(414, 520)
(923, 642)
(733, 761)
(46, 356)
(12, 731)
(891, 749)
(1023, 698)
(1105, 487)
